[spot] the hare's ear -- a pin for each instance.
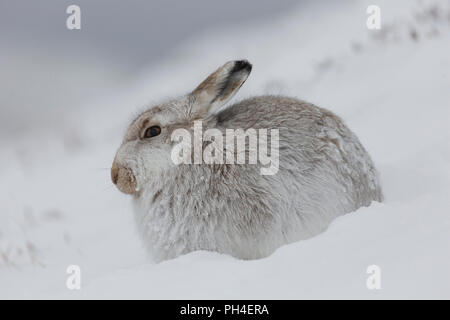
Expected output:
(220, 86)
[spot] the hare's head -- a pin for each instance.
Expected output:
(147, 145)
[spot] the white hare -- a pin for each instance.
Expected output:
(324, 172)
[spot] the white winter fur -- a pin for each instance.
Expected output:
(324, 172)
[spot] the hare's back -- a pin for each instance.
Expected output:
(268, 112)
(315, 145)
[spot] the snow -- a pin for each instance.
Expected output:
(58, 206)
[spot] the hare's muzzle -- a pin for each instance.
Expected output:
(123, 178)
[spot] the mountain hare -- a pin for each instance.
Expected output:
(323, 172)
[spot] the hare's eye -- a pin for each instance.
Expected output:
(152, 132)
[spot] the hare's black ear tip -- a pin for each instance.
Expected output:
(242, 65)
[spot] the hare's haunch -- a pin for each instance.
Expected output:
(322, 172)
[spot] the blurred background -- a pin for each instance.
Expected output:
(47, 69)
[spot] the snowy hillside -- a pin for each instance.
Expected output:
(392, 87)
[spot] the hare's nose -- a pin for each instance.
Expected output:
(114, 174)
(123, 178)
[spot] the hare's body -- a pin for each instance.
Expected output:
(324, 172)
